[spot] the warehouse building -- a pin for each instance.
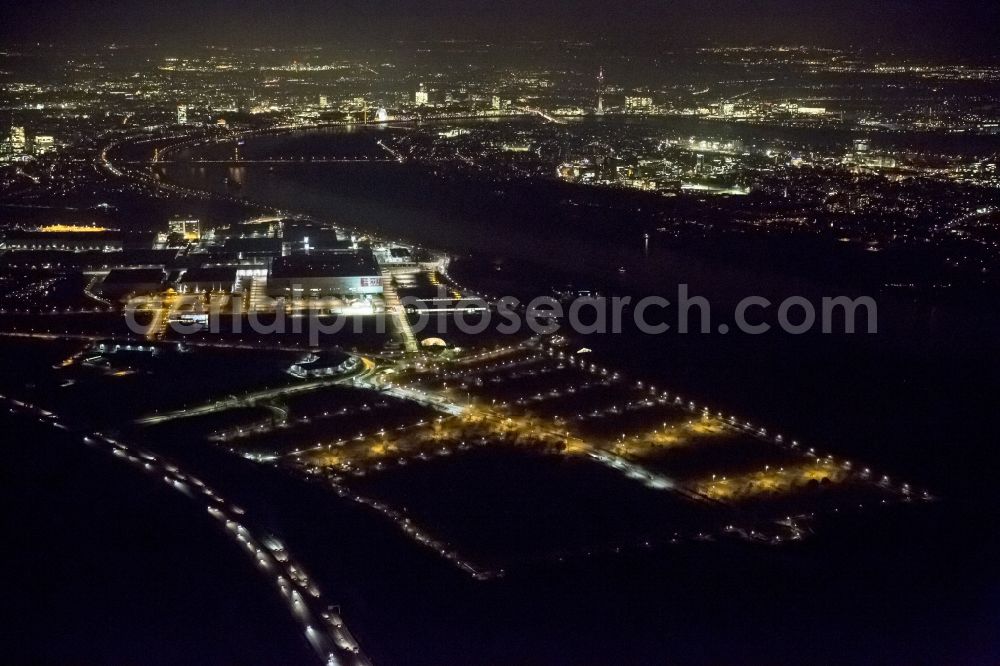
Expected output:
(63, 238)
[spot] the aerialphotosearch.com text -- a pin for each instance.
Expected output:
(654, 315)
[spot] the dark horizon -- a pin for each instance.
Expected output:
(966, 29)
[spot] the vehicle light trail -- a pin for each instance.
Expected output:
(333, 643)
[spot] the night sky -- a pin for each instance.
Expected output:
(969, 28)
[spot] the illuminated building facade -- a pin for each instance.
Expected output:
(638, 103)
(44, 144)
(188, 229)
(17, 140)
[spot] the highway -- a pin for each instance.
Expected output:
(322, 625)
(368, 367)
(395, 308)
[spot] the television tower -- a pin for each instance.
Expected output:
(600, 91)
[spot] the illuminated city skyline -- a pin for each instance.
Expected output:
(363, 333)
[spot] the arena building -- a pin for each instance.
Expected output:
(325, 274)
(219, 279)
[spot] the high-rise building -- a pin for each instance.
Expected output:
(17, 140)
(495, 102)
(600, 91)
(638, 103)
(44, 144)
(324, 101)
(188, 229)
(420, 97)
(182, 114)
